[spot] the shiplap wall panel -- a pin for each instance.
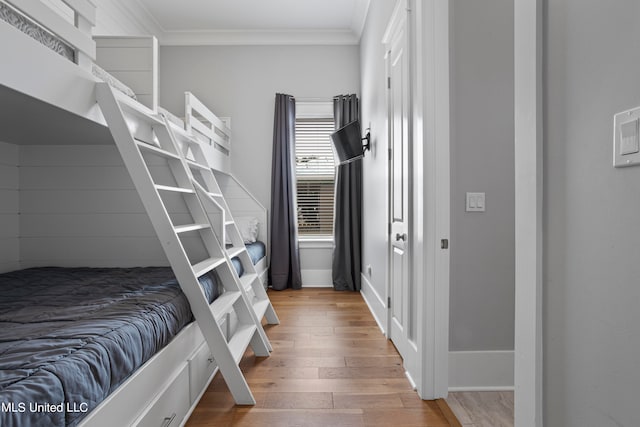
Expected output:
(10, 201)
(79, 208)
(9, 226)
(85, 201)
(9, 208)
(92, 251)
(125, 59)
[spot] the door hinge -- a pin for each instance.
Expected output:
(388, 302)
(388, 82)
(444, 244)
(390, 153)
(389, 228)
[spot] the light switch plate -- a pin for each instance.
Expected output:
(626, 138)
(475, 202)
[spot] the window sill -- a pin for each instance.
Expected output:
(315, 242)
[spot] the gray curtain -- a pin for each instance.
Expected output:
(284, 271)
(347, 228)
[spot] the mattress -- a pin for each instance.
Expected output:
(70, 337)
(256, 250)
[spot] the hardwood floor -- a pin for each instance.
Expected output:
(483, 408)
(331, 366)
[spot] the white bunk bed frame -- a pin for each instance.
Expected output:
(215, 133)
(166, 389)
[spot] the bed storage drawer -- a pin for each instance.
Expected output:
(172, 404)
(201, 366)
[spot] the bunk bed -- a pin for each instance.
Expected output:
(164, 378)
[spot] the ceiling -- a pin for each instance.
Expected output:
(258, 21)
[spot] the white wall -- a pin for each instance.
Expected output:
(9, 208)
(591, 292)
(241, 82)
(482, 160)
(375, 163)
(78, 207)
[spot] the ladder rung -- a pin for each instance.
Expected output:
(190, 227)
(240, 340)
(234, 252)
(174, 189)
(223, 303)
(260, 308)
(197, 165)
(247, 280)
(156, 150)
(207, 265)
(217, 195)
(228, 223)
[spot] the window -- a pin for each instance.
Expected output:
(315, 174)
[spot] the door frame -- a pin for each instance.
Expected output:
(432, 212)
(428, 38)
(431, 146)
(528, 142)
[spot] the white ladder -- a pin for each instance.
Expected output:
(213, 200)
(141, 135)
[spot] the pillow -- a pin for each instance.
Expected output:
(248, 227)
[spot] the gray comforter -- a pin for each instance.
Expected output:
(69, 337)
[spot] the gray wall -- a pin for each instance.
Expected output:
(241, 82)
(591, 228)
(9, 208)
(482, 160)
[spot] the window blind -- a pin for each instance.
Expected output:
(315, 175)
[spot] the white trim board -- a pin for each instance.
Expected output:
(316, 279)
(481, 370)
(376, 304)
(528, 121)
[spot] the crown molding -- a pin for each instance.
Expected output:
(138, 16)
(258, 37)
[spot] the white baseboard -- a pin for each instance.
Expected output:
(375, 302)
(481, 370)
(316, 279)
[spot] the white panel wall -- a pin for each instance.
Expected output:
(79, 208)
(9, 208)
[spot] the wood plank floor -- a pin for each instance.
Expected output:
(331, 366)
(482, 408)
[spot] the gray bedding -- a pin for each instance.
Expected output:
(70, 336)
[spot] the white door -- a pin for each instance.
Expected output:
(402, 310)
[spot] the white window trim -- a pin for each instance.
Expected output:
(315, 242)
(314, 110)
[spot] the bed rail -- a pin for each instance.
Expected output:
(76, 34)
(200, 119)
